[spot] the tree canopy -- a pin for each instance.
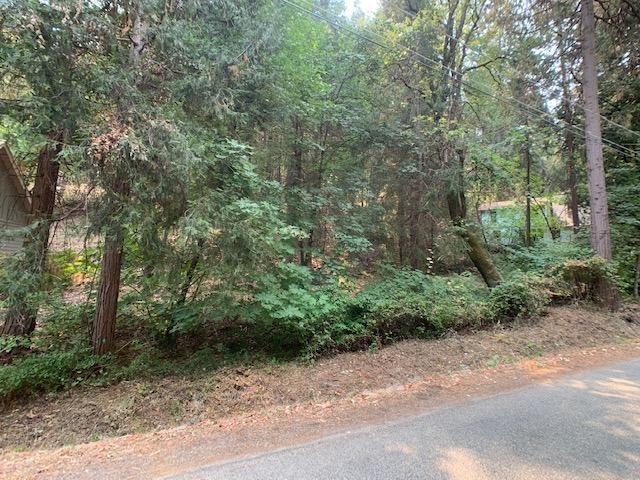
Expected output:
(278, 173)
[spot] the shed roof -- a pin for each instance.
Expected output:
(10, 165)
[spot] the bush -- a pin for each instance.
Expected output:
(295, 317)
(60, 356)
(583, 279)
(545, 255)
(410, 303)
(47, 371)
(11, 343)
(143, 361)
(517, 297)
(70, 267)
(293, 311)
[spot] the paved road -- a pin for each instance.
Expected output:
(580, 427)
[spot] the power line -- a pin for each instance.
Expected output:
(513, 70)
(540, 113)
(578, 131)
(612, 144)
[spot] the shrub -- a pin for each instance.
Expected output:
(144, 361)
(517, 297)
(69, 267)
(583, 279)
(11, 343)
(395, 306)
(295, 317)
(293, 311)
(545, 255)
(47, 371)
(60, 356)
(410, 303)
(63, 326)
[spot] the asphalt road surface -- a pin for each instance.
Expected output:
(582, 427)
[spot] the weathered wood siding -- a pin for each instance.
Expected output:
(12, 213)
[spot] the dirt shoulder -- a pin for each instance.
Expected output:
(240, 411)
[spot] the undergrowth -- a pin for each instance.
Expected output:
(293, 312)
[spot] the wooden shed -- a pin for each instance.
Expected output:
(15, 202)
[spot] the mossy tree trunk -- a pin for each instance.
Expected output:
(476, 249)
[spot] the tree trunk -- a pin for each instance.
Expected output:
(481, 257)
(294, 179)
(447, 112)
(413, 224)
(170, 337)
(527, 179)
(20, 318)
(104, 323)
(569, 144)
(401, 227)
(476, 249)
(452, 94)
(636, 283)
(573, 181)
(555, 232)
(600, 230)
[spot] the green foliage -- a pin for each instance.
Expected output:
(63, 326)
(582, 279)
(570, 269)
(292, 313)
(59, 356)
(146, 362)
(47, 371)
(408, 303)
(9, 343)
(67, 266)
(517, 297)
(273, 163)
(625, 214)
(20, 283)
(545, 255)
(507, 224)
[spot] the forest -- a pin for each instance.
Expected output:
(217, 182)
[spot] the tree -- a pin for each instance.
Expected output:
(166, 93)
(598, 202)
(48, 72)
(567, 116)
(448, 96)
(233, 147)
(20, 318)
(600, 229)
(103, 328)
(618, 39)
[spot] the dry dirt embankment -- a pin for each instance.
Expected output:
(91, 413)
